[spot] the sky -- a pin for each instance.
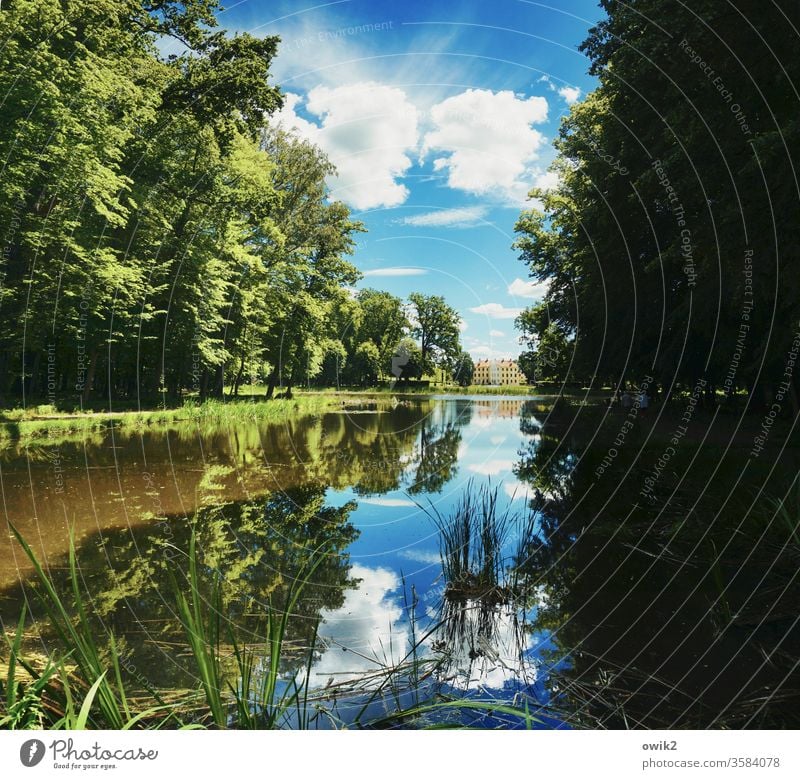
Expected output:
(439, 117)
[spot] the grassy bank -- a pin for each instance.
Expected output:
(255, 390)
(86, 681)
(47, 423)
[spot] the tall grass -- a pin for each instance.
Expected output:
(82, 684)
(27, 426)
(471, 542)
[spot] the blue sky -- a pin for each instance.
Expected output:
(439, 117)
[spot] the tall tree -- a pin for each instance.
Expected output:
(384, 322)
(671, 174)
(435, 324)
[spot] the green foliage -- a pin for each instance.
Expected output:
(550, 354)
(463, 369)
(407, 362)
(366, 363)
(654, 242)
(384, 322)
(436, 325)
(164, 237)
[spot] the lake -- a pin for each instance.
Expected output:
(616, 584)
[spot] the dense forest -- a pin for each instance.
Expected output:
(160, 235)
(670, 245)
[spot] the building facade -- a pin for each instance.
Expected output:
(498, 372)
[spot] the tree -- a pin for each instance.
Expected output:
(384, 322)
(407, 361)
(435, 324)
(463, 369)
(160, 239)
(550, 348)
(366, 364)
(527, 365)
(666, 174)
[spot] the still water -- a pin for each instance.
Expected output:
(607, 606)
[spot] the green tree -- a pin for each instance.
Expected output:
(435, 324)
(463, 369)
(365, 364)
(384, 322)
(668, 178)
(307, 268)
(407, 361)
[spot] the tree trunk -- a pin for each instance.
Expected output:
(219, 380)
(238, 380)
(87, 387)
(271, 382)
(204, 384)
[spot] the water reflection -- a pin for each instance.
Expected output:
(573, 592)
(640, 598)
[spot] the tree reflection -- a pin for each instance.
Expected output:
(254, 549)
(632, 593)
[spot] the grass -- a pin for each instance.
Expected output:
(45, 424)
(81, 683)
(425, 389)
(471, 541)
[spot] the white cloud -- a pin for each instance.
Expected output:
(421, 556)
(396, 272)
(497, 311)
(462, 326)
(368, 622)
(368, 131)
(466, 216)
(504, 654)
(496, 333)
(570, 94)
(387, 502)
(547, 180)
(492, 467)
(516, 490)
(487, 142)
(535, 290)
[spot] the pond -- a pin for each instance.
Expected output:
(488, 545)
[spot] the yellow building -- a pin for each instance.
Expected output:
(498, 372)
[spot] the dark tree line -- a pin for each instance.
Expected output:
(671, 243)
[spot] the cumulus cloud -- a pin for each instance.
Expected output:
(486, 142)
(570, 94)
(535, 290)
(368, 622)
(497, 311)
(467, 216)
(396, 272)
(492, 467)
(496, 333)
(547, 180)
(368, 130)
